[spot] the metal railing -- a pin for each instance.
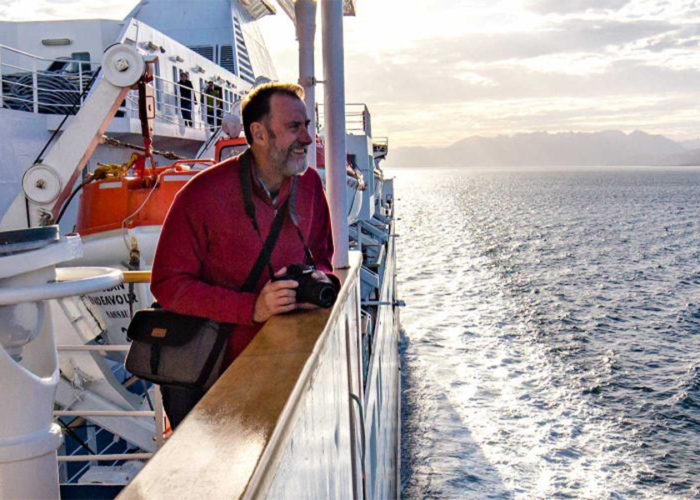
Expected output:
(41, 85)
(57, 86)
(157, 413)
(205, 110)
(357, 118)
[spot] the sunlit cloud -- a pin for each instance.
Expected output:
(436, 71)
(569, 6)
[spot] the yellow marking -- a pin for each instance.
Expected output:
(137, 276)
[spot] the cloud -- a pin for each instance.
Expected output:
(440, 84)
(38, 10)
(573, 6)
(573, 35)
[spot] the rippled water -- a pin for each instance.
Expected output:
(552, 333)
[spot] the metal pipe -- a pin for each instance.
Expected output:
(137, 276)
(334, 117)
(95, 278)
(104, 413)
(117, 456)
(1, 79)
(305, 13)
(159, 411)
(92, 347)
(35, 87)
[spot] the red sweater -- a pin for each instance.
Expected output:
(208, 246)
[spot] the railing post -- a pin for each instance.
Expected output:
(306, 29)
(160, 414)
(80, 80)
(334, 111)
(1, 78)
(35, 87)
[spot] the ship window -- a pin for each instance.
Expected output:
(176, 91)
(84, 66)
(204, 51)
(227, 59)
(159, 86)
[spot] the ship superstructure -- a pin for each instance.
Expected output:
(47, 69)
(112, 421)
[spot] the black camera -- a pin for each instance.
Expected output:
(310, 289)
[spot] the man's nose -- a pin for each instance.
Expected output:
(305, 138)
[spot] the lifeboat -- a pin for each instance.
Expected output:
(118, 202)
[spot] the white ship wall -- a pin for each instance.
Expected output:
(207, 23)
(85, 36)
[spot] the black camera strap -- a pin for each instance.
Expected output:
(295, 222)
(246, 180)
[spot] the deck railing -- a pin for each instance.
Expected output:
(41, 85)
(157, 413)
(57, 86)
(281, 421)
(357, 118)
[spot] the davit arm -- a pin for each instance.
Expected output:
(47, 185)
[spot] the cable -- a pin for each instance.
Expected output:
(72, 433)
(70, 198)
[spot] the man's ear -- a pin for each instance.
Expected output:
(259, 133)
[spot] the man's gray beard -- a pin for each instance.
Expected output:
(294, 170)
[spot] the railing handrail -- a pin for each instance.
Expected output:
(240, 428)
(205, 110)
(40, 58)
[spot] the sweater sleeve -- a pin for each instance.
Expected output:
(176, 280)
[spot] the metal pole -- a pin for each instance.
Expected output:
(305, 11)
(1, 79)
(160, 415)
(334, 117)
(35, 87)
(110, 457)
(80, 82)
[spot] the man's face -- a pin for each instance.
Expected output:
(288, 134)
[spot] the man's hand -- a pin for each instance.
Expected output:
(276, 297)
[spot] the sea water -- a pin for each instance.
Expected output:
(552, 332)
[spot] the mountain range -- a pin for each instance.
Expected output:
(611, 147)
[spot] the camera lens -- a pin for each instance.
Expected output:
(326, 295)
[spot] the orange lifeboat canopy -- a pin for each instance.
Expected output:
(131, 201)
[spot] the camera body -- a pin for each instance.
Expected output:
(310, 289)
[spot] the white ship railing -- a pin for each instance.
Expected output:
(158, 412)
(169, 109)
(27, 85)
(357, 118)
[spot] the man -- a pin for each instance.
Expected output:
(214, 107)
(186, 99)
(208, 244)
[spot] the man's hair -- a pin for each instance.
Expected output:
(256, 105)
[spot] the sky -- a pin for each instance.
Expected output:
(435, 71)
